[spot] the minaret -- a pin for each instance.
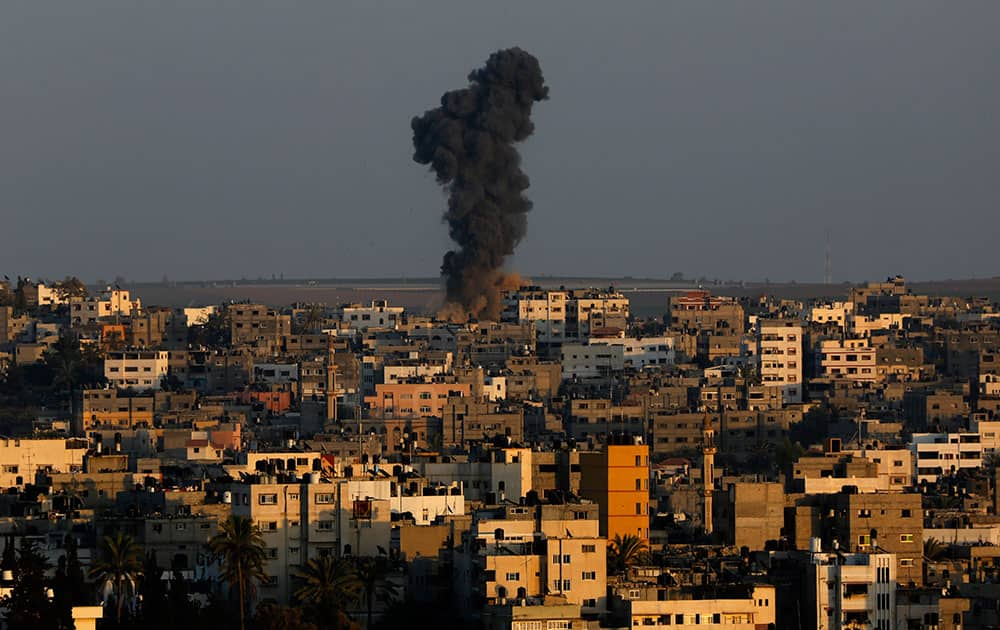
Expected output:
(707, 470)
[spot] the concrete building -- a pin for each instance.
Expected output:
(779, 356)
(743, 609)
(22, 460)
(378, 314)
(525, 553)
(855, 590)
(592, 361)
(136, 369)
(847, 359)
(700, 311)
(563, 315)
(937, 454)
(617, 479)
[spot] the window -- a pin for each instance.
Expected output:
(513, 577)
(268, 499)
(906, 514)
(864, 540)
(638, 508)
(906, 562)
(324, 526)
(906, 538)
(589, 575)
(324, 497)
(588, 548)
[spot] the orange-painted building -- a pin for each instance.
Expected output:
(276, 402)
(413, 400)
(617, 479)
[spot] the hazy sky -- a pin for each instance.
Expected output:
(211, 139)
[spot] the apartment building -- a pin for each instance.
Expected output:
(143, 369)
(698, 311)
(937, 454)
(738, 608)
(847, 359)
(414, 399)
(853, 590)
(110, 408)
(617, 479)
(859, 522)
(258, 326)
(563, 315)
(592, 361)
(836, 313)
(21, 460)
(378, 314)
(779, 356)
(525, 553)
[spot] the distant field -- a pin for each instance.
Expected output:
(648, 296)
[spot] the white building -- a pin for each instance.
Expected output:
(565, 315)
(936, 454)
(377, 315)
(546, 309)
(136, 369)
(47, 296)
(846, 359)
(645, 352)
(591, 361)
(779, 356)
(755, 610)
(864, 325)
(856, 590)
(833, 313)
(22, 460)
(110, 303)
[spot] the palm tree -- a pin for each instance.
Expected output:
(329, 585)
(240, 545)
(119, 567)
(625, 551)
(933, 549)
(371, 572)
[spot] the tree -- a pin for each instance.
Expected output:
(119, 567)
(240, 545)
(274, 617)
(371, 573)
(28, 603)
(69, 586)
(787, 453)
(625, 551)
(329, 585)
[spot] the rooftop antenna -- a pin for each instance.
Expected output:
(828, 270)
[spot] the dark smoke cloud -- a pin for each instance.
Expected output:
(469, 144)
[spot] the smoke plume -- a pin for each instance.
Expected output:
(469, 144)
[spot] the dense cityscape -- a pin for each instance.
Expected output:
(749, 463)
(483, 401)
